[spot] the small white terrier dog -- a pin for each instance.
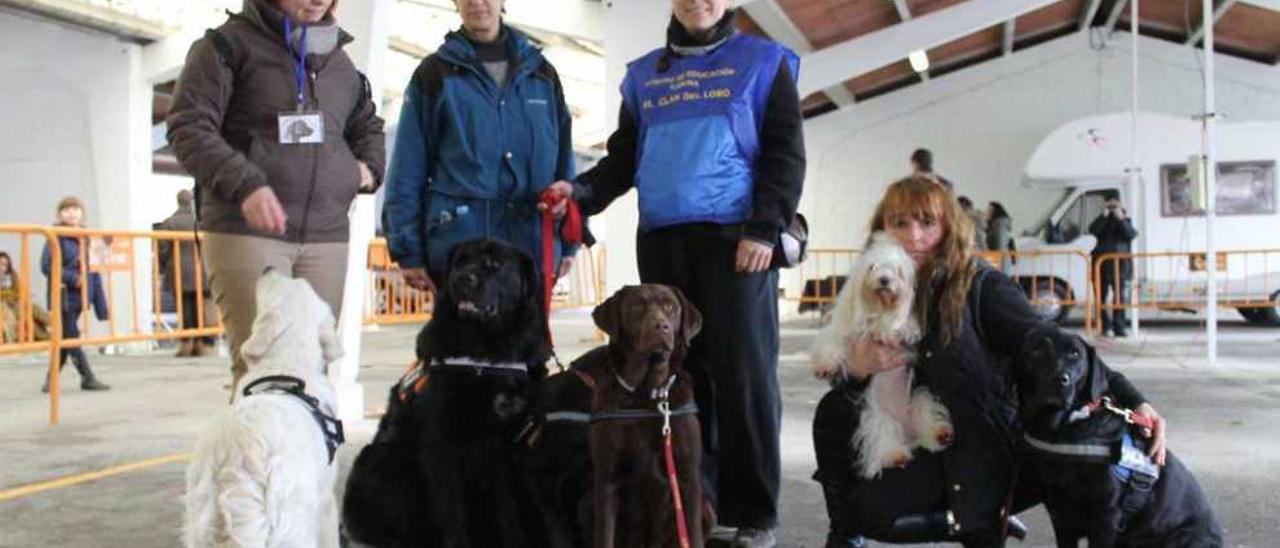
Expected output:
(875, 304)
(263, 473)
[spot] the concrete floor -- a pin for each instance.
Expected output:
(1222, 425)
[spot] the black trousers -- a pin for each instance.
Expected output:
(734, 362)
(1119, 287)
(857, 506)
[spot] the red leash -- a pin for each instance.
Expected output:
(571, 233)
(1128, 414)
(682, 528)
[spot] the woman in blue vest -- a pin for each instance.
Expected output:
(710, 136)
(483, 130)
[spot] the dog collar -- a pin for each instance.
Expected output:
(660, 393)
(293, 386)
(481, 367)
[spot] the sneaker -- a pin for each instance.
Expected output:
(750, 537)
(722, 533)
(836, 540)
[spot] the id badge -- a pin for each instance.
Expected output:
(301, 127)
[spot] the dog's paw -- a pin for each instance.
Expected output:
(897, 458)
(939, 438)
(827, 367)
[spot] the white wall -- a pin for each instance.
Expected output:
(983, 124)
(76, 121)
(632, 28)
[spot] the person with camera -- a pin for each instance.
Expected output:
(1114, 230)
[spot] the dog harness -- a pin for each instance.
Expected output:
(480, 368)
(293, 386)
(1131, 467)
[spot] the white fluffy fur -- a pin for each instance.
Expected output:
(260, 475)
(894, 420)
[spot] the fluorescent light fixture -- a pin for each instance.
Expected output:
(919, 60)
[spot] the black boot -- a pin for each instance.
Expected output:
(923, 527)
(1017, 529)
(87, 380)
(45, 389)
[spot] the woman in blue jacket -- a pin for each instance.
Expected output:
(483, 131)
(710, 135)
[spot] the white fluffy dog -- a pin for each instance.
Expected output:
(263, 473)
(875, 304)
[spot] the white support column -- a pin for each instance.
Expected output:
(1211, 187)
(119, 126)
(1136, 189)
(369, 21)
(632, 28)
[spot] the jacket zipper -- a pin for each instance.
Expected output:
(315, 164)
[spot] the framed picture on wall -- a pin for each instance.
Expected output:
(1243, 188)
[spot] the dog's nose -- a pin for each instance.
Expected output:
(885, 281)
(1064, 379)
(662, 326)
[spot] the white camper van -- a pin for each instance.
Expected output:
(1085, 160)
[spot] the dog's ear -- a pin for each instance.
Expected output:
(608, 315)
(1096, 378)
(690, 317)
(267, 327)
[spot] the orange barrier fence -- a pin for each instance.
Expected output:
(392, 301)
(107, 263)
(1247, 280)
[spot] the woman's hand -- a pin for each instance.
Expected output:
(753, 256)
(418, 278)
(263, 212)
(366, 176)
(868, 357)
(565, 190)
(1157, 451)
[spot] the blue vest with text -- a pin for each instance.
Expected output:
(698, 124)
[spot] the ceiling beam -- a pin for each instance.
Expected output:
(1218, 11)
(1009, 34)
(1090, 11)
(101, 18)
(1273, 5)
(775, 22)
(1116, 11)
(866, 53)
(904, 12)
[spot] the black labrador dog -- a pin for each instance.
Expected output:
(594, 476)
(442, 470)
(1091, 464)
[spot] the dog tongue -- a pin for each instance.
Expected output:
(886, 297)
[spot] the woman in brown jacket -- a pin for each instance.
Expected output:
(280, 132)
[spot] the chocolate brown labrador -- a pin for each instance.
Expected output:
(649, 328)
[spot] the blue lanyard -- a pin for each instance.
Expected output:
(299, 60)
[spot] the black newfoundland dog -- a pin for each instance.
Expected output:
(1097, 481)
(442, 469)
